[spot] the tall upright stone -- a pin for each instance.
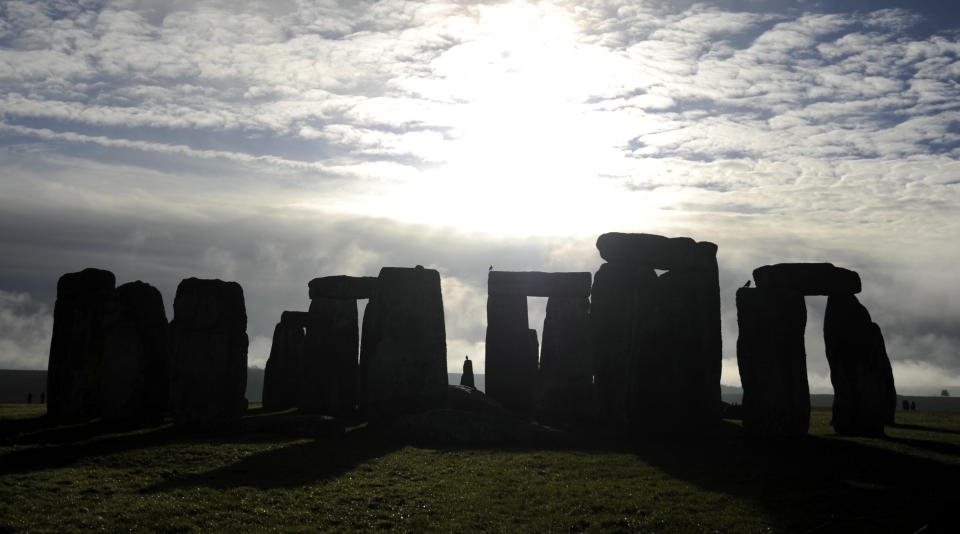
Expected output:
(328, 369)
(76, 348)
(208, 352)
(565, 381)
(281, 376)
(466, 378)
(859, 368)
(622, 311)
(403, 350)
(772, 361)
(511, 363)
(134, 381)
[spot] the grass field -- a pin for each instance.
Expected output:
(68, 478)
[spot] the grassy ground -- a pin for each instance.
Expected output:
(55, 479)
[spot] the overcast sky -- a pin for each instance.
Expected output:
(274, 142)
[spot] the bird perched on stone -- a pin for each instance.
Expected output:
(747, 284)
(491, 268)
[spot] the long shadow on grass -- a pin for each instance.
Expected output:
(293, 465)
(821, 484)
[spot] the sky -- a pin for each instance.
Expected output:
(274, 142)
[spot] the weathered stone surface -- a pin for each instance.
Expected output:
(295, 318)
(466, 378)
(772, 362)
(808, 278)
(655, 251)
(681, 375)
(134, 380)
(342, 287)
(565, 382)
(208, 352)
(887, 372)
(538, 284)
(328, 366)
(76, 347)
(281, 377)
(859, 368)
(511, 363)
(621, 313)
(404, 349)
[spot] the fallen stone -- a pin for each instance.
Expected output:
(208, 352)
(537, 284)
(655, 251)
(808, 278)
(342, 287)
(511, 361)
(328, 367)
(772, 362)
(404, 348)
(134, 380)
(76, 347)
(859, 369)
(281, 376)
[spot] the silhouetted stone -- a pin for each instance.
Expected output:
(134, 382)
(466, 379)
(281, 377)
(622, 309)
(328, 368)
(887, 372)
(343, 287)
(859, 368)
(295, 318)
(566, 367)
(76, 347)
(511, 363)
(404, 348)
(772, 361)
(538, 284)
(208, 352)
(808, 278)
(655, 251)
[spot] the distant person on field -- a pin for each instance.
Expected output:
(913, 405)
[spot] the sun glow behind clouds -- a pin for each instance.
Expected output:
(526, 147)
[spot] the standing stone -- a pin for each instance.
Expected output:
(281, 377)
(466, 379)
(772, 362)
(887, 371)
(404, 348)
(134, 382)
(328, 370)
(511, 364)
(859, 368)
(621, 307)
(208, 352)
(76, 348)
(565, 381)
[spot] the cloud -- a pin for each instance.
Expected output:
(25, 330)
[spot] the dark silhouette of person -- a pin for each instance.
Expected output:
(29, 398)
(466, 379)
(913, 406)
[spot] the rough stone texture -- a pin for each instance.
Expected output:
(859, 369)
(538, 284)
(281, 377)
(76, 347)
(404, 349)
(342, 287)
(565, 381)
(208, 352)
(655, 251)
(466, 379)
(295, 318)
(808, 278)
(511, 363)
(887, 372)
(772, 362)
(134, 380)
(621, 309)
(328, 367)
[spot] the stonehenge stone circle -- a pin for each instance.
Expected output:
(281, 376)
(538, 284)
(565, 381)
(808, 278)
(328, 365)
(511, 361)
(342, 287)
